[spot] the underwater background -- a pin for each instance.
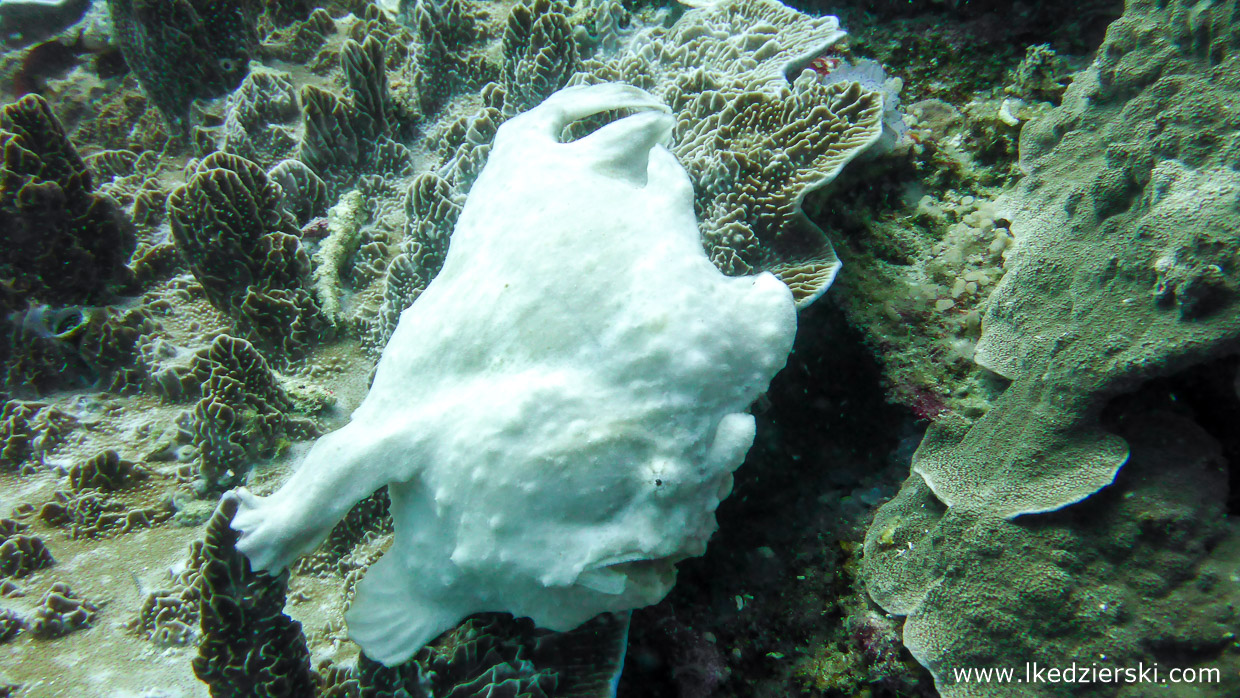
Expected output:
(1002, 440)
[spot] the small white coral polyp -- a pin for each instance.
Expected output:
(558, 415)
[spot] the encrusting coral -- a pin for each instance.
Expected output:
(981, 591)
(1151, 245)
(1124, 270)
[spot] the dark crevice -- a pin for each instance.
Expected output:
(1207, 394)
(825, 432)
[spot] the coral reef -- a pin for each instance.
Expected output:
(21, 554)
(45, 348)
(243, 414)
(230, 224)
(755, 134)
(249, 647)
(1038, 250)
(30, 428)
(61, 612)
(61, 242)
(1122, 272)
(182, 50)
(1089, 314)
(1116, 578)
(106, 471)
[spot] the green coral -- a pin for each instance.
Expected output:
(1117, 580)
(1125, 269)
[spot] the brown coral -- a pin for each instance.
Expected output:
(22, 554)
(60, 612)
(229, 222)
(243, 413)
(60, 241)
(105, 471)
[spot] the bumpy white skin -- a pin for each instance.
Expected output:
(559, 414)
